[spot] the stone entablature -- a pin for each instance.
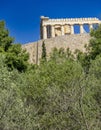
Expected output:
(58, 27)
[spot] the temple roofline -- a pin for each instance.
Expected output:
(64, 26)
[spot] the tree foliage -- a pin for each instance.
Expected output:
(95, 43)
(43, 51)
(54, 95)
(15, 57)
(93, 49)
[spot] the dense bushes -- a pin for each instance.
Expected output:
(52, 96)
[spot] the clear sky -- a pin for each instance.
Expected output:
(22, 17)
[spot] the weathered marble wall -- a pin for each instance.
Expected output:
(74, 41)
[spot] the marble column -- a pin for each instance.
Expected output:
(81, 28)
(90, 26)
(62, 30)
(52, 31)
(44, 32)
(72, 29)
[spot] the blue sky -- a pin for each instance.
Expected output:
(22, 17)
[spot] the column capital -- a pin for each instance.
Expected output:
(44, 25)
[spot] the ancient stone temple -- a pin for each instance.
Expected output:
(57, 27)
(61, 33)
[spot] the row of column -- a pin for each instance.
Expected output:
(62, 30)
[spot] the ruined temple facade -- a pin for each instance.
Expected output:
(58, 27)
(56, 33)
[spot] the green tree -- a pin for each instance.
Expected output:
(43, 51)
(15, 57)
(93, 49)
(5, 39)
(95, 71)
(60, 55)
(62, 96)
(14, 114)
(95, 43)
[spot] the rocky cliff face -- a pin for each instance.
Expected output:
(74, 41)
